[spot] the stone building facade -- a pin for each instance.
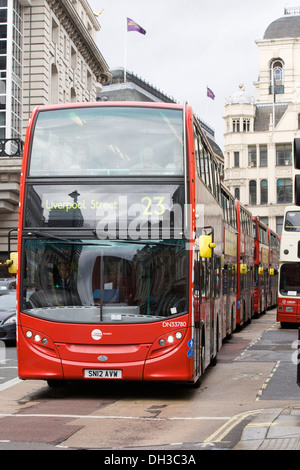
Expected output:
(258, 139)
(48, 54)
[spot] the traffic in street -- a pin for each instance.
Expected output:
(255, 371)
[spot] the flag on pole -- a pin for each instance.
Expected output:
(133, 26)
(210, 93)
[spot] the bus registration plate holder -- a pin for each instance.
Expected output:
(102, 374)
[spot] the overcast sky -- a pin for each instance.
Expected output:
(189, 45)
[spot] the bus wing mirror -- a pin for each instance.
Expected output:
(206, 246)
(260, 270)
(243, 269)
(12, 263)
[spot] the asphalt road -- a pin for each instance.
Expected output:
(254, 372)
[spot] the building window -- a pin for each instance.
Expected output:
(279, 225)
(265, 220)
(252, 192)
(236, 125)
(237, 193)
(252, 155)
(284, 191)
(263, 155)
(264, 192)
(246, 125)
(236, 159)
(55, 32)
(54, 89)
(284, 154)
(276, 77)
(73, 58)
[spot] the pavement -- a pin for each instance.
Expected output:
(273, 429)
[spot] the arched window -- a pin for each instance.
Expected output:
(237, 193)
(264, 192)
(276, 77)
(252, 192)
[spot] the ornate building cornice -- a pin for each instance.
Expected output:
(72, 23)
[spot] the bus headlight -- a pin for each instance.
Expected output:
(40, 342)
(166, 343)
(170, 339)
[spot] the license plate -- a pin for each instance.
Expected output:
(102, 374)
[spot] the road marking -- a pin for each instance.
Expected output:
(264, 386)
(220, 433)
(179, 418)
(10, 383)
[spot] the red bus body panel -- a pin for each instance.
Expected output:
(283, 307)
(71, 349)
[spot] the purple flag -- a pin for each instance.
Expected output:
(133, 26)
(210, 93)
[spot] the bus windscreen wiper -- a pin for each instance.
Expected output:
(62, 239)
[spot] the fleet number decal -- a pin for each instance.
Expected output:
(174, 324)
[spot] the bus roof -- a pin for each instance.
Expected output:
(145, 104)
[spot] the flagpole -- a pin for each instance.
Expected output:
(125, 53)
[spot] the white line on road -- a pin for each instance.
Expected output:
(32, 415)
(10, 383)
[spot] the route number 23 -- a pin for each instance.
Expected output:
(154, 205)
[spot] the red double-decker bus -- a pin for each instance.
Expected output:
(229, 262)
(245, 271)
(261, 266)
(119, 245)
(274, 257)
(238, 263)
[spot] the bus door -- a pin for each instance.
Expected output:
(197, 317)
(206, 248)
(212, 303)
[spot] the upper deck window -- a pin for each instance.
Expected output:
(107, 140)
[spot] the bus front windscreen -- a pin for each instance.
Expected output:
(290, 279)
(107, 141)
(111, 281)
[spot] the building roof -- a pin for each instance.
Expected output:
(262, 117)
(286, 27)
(136, 89)
(241, 97)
